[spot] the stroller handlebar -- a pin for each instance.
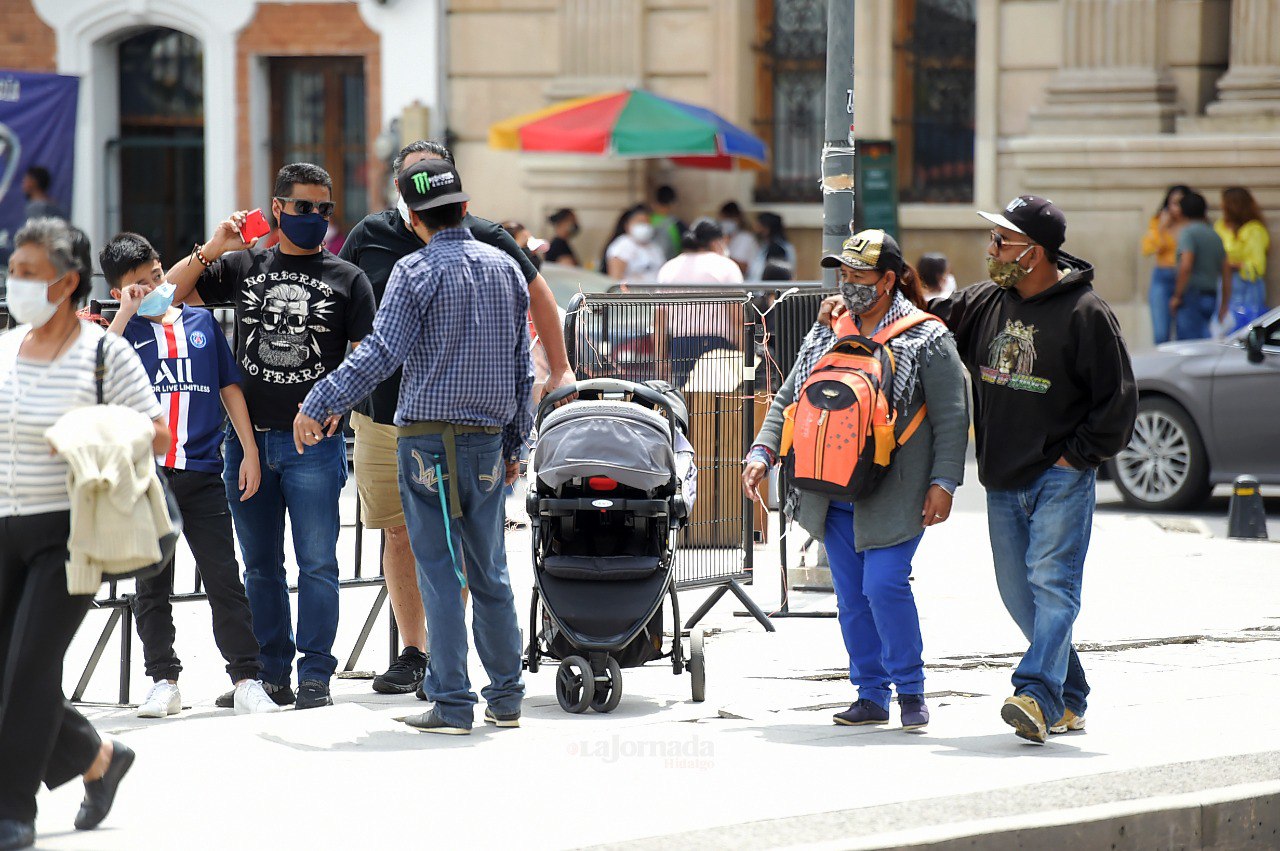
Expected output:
(599, 388)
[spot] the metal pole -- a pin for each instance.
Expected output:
(837, 151)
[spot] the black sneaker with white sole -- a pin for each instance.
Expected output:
(506, 720)
(280, 695)
(404, 675)
(313, 694)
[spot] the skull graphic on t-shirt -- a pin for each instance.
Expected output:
(284, 337)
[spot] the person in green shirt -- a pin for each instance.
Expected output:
(1200, 259)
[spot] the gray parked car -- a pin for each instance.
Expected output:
(1208, 411)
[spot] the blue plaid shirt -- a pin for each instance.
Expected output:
(454, 314)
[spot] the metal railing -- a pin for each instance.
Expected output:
(703, 342)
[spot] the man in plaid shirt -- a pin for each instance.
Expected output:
(454, 316)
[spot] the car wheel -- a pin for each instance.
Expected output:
(1164, 467)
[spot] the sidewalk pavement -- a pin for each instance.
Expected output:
(1179, 634)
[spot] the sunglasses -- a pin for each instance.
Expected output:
(305, 207)
(999, 241)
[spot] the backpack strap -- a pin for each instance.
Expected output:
(913, 425)
(911, 320)
(100, 366)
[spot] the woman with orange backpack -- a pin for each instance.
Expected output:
(872, 423)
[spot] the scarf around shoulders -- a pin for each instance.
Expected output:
(909, 348)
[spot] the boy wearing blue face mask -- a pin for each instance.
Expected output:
(186, 356)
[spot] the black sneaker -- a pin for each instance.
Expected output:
(404, 675)
(430, 722)
(312, 694)
(280, 695)
(511, 719)
(420, 694)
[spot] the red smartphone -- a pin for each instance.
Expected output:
(255, 225)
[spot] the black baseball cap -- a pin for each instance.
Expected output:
(868, 249)
(1034, 217)
(431, 183)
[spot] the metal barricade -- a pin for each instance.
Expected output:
(703, 343)
(788, 321)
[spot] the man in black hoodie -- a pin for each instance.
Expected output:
(1054, 399)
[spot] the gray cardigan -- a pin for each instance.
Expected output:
(891, 514)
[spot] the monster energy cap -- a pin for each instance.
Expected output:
(868, 249)
(431, 183)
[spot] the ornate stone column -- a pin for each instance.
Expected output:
(1251, 86)
(1113, 77)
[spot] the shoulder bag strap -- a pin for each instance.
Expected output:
(100, 367)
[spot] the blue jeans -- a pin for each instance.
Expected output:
(1194, 314)
(1248, 301)
(1039, 537)
(878, 617)
(307, 487)
(477, 538)
(1163, 282)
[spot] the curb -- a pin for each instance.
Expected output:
(1243, 816)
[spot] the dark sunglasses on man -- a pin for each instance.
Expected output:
(305, 207)
(1000, 241)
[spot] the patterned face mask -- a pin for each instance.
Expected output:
(1008, 274)
(859, 298)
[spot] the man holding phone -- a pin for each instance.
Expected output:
(297, 309)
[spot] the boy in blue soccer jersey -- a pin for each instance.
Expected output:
(185, 353)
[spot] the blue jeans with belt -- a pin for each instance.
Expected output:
(471, 544)
(877, 610)
(306, 487)
(1039, 538)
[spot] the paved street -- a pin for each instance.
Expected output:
(1180, 634)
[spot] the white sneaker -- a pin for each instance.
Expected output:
(251, 699)
(162, 701)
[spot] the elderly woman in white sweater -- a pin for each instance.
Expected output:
(47, 369)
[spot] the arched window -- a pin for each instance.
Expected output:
(934, 86)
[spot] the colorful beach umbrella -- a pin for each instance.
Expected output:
(633, 123)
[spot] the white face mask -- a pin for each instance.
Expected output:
(404, 211)
(641, 231)
(729, 226)
(29, 301)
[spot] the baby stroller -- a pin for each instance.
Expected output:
(606, 500)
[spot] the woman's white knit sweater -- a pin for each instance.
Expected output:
(118, 510)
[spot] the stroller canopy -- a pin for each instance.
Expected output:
(625, 442)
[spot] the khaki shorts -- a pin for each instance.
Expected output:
(377, 473)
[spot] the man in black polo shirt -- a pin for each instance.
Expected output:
(375, 245)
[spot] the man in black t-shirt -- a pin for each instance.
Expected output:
(298, 307)
(375, 244)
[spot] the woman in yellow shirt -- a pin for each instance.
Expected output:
(1244, 235)
(1161, 242)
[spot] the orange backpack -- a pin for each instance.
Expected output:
(838, 436)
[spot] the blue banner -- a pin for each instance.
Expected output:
(37, 127)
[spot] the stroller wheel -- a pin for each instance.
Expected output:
(608, 696)
(575, 684)
(697, 666)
